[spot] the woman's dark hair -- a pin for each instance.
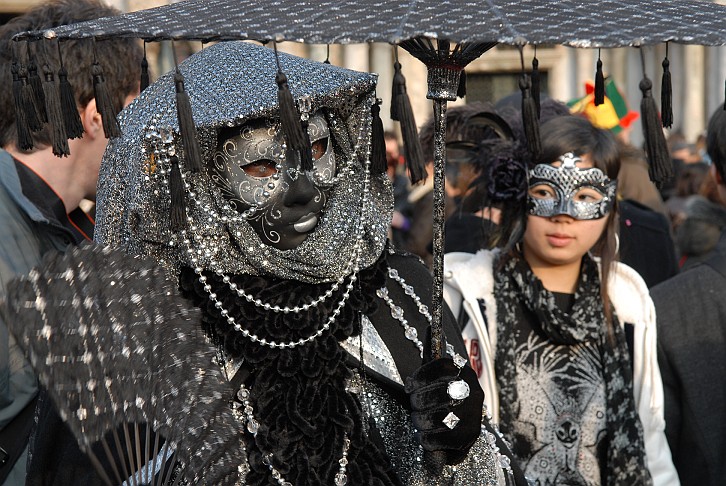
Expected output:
(577, 135)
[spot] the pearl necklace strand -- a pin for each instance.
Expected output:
(352, 269)
(269, 343)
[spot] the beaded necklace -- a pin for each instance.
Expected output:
(412, 335)
(243, 402)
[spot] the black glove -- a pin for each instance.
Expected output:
(430, 404)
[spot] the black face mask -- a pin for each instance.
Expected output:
(263, 181)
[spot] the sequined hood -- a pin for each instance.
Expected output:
(229, 84)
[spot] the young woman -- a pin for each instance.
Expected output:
(565, 335)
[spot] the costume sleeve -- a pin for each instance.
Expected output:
(420, 232)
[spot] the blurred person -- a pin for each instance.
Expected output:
(705, 219)
(634, 182)
(683, 156)
(646, 241)
(687, 184)
(400, 222)
(421, 198)
(40, 194)
(691, 315)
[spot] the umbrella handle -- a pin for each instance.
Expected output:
(437, 291)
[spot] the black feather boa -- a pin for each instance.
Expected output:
(298, 394)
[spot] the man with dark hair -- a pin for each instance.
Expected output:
(691, 315)
(40, 193)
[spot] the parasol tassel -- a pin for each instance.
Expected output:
(187, 129)
(25, 139)
(378, 142)
(58, 132)
(177, 208)
(599, 83)
(461, 90)
(296, 138)
(402, 112)
(69, 110)
(144, 71)
(536, 85)
(666, 94)
(38, 96)
(529, 117)
(660, 164)
(27, 101)
(104, 104)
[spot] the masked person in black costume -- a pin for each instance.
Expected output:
(319, 324)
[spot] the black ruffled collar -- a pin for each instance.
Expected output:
(298, 394)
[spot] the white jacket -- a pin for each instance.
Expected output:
(470, 277)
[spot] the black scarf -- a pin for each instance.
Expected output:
(298, 394)
(515, 286)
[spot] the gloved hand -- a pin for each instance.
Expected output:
(428, 389)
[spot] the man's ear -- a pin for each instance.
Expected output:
(91, 119)
(716, 175)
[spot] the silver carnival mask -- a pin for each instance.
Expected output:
(580, 193)
(263, 181)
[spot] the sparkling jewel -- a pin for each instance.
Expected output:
(458, 390)
(451, 420)
(459, 361)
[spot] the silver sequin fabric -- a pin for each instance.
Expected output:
(481, 467)
(576, 23)
(228, 84)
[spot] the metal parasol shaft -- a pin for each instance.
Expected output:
(437, 297)
(445, 65)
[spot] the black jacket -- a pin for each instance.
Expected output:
(645, 242)
(691, 316)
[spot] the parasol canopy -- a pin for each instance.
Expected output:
(583, 23)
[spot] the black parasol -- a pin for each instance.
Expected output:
(445, 35)
(584, 23)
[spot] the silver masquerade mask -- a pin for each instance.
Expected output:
(262, 181)
(580, 193)
(232, 84)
